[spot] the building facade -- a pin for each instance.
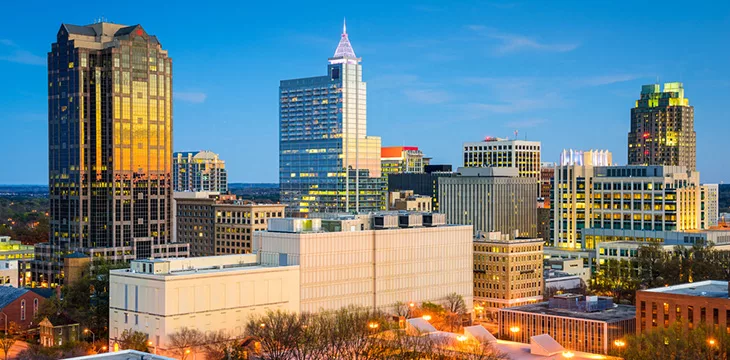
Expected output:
(547, 171)
(220, 224)
(495, 152)
(490, 199)
(507, 271)
(110, 141)
(421, 184)
(372, 261)
(690, 304)
(19, 306)
(402, 160)
(580, 323)
(327, 163)
(660, 198)
(408, 201)
(199, 171)
(710, 205)
(662, 128)
(158, 297)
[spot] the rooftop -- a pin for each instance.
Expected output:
(123, 355)
(617, 313)
(709, 288)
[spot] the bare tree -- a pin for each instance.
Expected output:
(278, 333)
(455, 309)
(401, 309)
(217, 344)
(185, 341)
(6, 342)
(133, 340)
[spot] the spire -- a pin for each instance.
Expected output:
(344, 48)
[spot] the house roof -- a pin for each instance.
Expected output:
(61, 320)
(9, 294)
(45, 292)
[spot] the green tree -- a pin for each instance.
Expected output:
(134, 340)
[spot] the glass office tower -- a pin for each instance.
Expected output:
(327, 163)
(110, 141)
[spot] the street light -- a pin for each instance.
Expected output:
(619, 343)
(568, 354)
(712, 342)
(514, 330)
(427, 317)
(373, 325)
(149, 344)
(93, 336)
(461, 338)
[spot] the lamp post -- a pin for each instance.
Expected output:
(514, 330)
(373, 326)
(568, 354)
(619, 344)
(149, 344)
(93, 336)
(712, 342)
(427, 317)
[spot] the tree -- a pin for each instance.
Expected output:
(674, 342)
(6, 342)
(134, 340)
(217, 344)
(455, 310)
(185, 341)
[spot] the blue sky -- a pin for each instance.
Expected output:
(439, 73)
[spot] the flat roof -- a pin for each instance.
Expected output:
(709, 289)
(617, 313)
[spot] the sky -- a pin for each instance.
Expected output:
(439, 73)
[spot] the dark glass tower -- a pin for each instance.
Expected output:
(110, 141)
(327, 163)
(662, 128)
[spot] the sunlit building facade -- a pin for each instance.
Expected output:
(110, 141)
(495, 152)
(662, 128)
(327, 163)
(402, 160)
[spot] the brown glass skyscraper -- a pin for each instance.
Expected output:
(662, 128)
(110, 141)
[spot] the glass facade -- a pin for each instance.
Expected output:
(199, 171)
(110, 140)
(327, 163)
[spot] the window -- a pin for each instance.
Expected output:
(126, 318)
(35, 306)
(22, 310)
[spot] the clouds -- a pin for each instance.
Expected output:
(10, 51)
(190, 97)
(513, 43)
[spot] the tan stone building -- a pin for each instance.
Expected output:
(216, 224)
(507, 272)
(408, 201)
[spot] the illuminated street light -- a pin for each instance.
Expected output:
(712, 342)
(514, 329)
(461, 338)
(427, 317)
(568, 354)
(619, 343)
(373, 325)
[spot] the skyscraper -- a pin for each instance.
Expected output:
(662, 128)
(110, 141)
(199, 171)
(327, 163)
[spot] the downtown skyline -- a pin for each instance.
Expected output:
(437, 77)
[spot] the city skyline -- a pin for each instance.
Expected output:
(424, 89)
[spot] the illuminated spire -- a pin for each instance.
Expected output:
(344, 49)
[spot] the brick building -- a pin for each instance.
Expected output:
(691, 304)
(19, 306)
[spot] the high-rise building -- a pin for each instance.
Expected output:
(199, 171)
(662, 128)
(327, 163)
(110, 141)
(402, 160)
(507, 271)
(710, 205)
(215, 224)
(490, 199)
(547, 171)
(495, 152)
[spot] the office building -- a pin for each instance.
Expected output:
(408, 201)
(661, 198)
(710, 206)
(199, 171)
(110, 141)
(544, 216)
(327, 163)
(495, 152)
(690, 304)
(10, 274)
(577, 322)
(158, 297)
(569, 266)
(490, 199)
(507, 271)
(547, 171)
(372, 261)
(402, 160)
(421, 184)
(301, 265)
(215, 224)
(662, 128)
(15, 250)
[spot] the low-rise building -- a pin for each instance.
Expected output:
(59, 331)
(570, 266)
(558, 282)
(580, 323)
(406, 200)
(507, 271)
(691, 304)
(15, 250)
(19, 306)
(9, 273)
